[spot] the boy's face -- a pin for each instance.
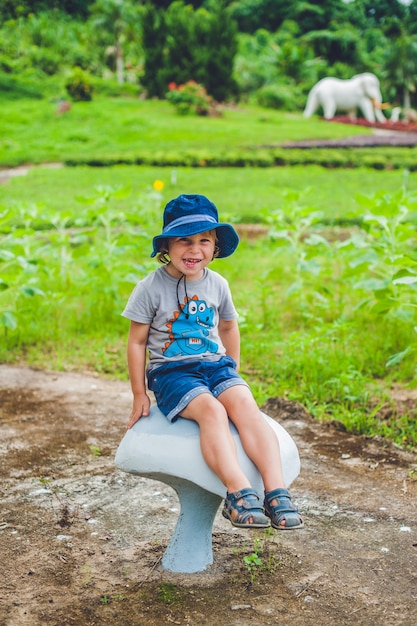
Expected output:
(190, 255)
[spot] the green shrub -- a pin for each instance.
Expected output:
(277, 97)
(181, 44)
(13, 87)
(79, 85)
(44, 59)
(189, 98)
(112, 89)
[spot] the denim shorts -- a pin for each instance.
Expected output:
(176, 384)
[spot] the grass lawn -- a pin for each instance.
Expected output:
(320, 317)
(241, 194)
(33, 133)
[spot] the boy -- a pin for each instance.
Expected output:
(182, 316)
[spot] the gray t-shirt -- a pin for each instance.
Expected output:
(183, 316)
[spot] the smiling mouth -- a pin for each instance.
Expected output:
(191, 261)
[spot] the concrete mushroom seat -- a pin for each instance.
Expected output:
(170, 453)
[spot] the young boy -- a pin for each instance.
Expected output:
(183, 318)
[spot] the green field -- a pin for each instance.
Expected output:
(124, 128)
(326, 294)
(242, 194)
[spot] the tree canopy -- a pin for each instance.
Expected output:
(232, 47)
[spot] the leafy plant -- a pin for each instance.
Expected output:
(79, 85)
(95, 450)
(277, 96)
(262, 559)
(181, 44)
(189, 98)
(384, 264)
(253, 563)
(19, 274)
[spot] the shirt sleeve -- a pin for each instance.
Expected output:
(140, 307)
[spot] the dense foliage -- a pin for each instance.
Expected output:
(181, 44)
(273, 50)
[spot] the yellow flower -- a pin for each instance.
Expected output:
(158, 185)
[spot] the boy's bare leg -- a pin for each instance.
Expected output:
(260, 444)
(217, 444)
(258, 439)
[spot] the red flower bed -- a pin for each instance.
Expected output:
(410, 127)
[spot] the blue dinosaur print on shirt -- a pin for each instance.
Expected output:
(189, 330)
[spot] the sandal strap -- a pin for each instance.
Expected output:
(284, 510)
(282, 495)
(251, 499)
(250, 506)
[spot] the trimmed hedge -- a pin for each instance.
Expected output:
(383, 158)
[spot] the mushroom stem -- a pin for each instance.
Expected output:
(190, 547)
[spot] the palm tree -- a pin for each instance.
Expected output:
(119, 20)
(400, 64)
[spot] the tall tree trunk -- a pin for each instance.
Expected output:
(407, 98)
(119, 63)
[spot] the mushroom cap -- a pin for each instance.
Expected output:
(156, 448)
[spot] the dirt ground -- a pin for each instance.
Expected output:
(81, 542)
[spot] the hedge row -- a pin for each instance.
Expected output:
(374, 158)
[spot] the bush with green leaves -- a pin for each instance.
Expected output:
(79, 85)
(351, 313)
(189, 98)
(182, 44)
(278, 96)
(45, 44)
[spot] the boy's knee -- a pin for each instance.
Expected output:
(244, 403)
(203, 407)
(217, 412)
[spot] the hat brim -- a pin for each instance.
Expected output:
(227, 237)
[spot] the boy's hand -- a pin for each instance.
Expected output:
(141, 406)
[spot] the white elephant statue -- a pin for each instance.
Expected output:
(404, 115)
(360, 92)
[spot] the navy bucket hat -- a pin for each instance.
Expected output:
(192, 214)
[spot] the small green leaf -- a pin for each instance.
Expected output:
(293, 288)
(379, 219)
(315, 240)
(405, 280)
(312, 266)
(32, 291)
(8, 320)
(367, 258)
(383, 306)
(397, 358)
(6, 255)
(372, 284)
(86, 199)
